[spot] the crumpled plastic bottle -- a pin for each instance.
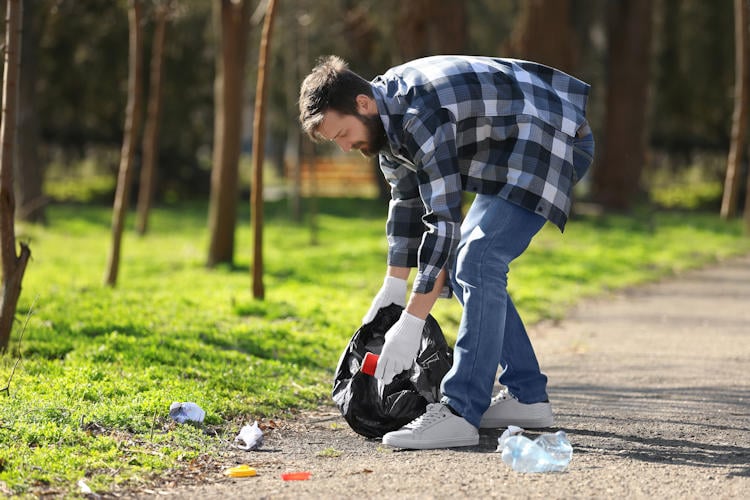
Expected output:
(547, 453)
(182, 412)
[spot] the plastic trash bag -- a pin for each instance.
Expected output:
(186, 412)
(372, 408)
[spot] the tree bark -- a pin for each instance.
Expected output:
(132, 128)
(153, 117)
(449, 27)
(428, 27)
(616, 180)
(411, 33)
(259, 134)
(739, 118)
(13, 265)
(232, 18)
(544, 33)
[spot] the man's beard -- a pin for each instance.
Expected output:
(376, 136)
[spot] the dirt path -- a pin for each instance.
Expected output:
(651, 385)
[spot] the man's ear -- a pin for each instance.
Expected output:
(366, 105)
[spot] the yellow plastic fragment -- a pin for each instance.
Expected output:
(243, 470)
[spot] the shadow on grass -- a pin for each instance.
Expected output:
(277, 346)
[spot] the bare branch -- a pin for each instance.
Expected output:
(6, 389)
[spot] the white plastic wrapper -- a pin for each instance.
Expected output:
(186, 412)
(250, 438)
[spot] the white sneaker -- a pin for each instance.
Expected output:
(438, 427)
(505, 410)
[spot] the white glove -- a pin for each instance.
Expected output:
(400, 348)
(393, 291)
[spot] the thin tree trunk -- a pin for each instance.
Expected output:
(289, 46)
(153, 117)
(413, 35)
(429, 27)
(259, 134)
(449, 27)
(616, 180)
(132, 128)
(13, 265)
(232, 19)
(29, 175)
(739, 118)
(544, 33)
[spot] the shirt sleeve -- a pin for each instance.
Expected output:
(431, 142)
(404, 226)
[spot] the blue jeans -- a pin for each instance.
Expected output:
(493, 233)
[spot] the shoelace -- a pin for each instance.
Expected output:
(433, 413)
(500, 396)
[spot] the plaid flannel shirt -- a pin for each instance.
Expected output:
(485, 125)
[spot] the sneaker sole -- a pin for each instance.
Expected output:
(398, 442)
(529, 423)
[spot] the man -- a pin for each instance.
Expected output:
(515, 134)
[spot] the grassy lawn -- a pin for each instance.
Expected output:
(99, 367)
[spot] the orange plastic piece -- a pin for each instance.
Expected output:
(296, 476)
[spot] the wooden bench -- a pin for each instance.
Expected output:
(330, 177)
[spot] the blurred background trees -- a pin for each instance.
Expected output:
(662, 75)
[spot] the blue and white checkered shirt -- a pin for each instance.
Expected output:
(476, 124)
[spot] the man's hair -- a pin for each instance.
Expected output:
(331, 85)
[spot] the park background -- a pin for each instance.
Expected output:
(136, 179)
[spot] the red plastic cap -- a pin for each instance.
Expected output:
(369, 363)
(296, 476)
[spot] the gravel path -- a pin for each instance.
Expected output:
(651, 386)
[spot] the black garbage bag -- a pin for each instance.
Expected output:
(372, 409)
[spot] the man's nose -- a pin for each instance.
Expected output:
(345, 146)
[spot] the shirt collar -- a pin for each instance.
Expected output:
(388, 114)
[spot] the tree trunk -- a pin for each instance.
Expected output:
(739, 118)
(616, 180)
(13, 265)
(411, 34)
(428, 27)
(153, 117)
(544, 33)
(292, 67)
(132, 128)
(232, 19)
(448, 30)
(29, 177)
(259, 134)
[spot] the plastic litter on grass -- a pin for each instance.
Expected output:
(186, 412)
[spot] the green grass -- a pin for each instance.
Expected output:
(100, 366)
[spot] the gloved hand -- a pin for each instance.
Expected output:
(400, 348)
(393, 291)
